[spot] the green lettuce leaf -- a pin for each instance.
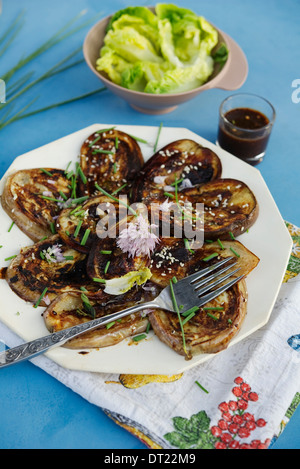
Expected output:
(141, 74)
(112, 65)
(169, 51)
(183, 79)
(131, 45)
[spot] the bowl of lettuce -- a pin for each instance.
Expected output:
(158, 57)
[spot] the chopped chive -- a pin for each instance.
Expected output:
(115, 199)
(174, 280)
(115, 167)
(10, 258)
(52, 227)
(41, 297)
(190, 311)
(63, 195)
(67, 233)
(75, 210)
(215, 318)
(175, 183)
(70, 174)
(188, 318)
(99, 280)
(105, 252)
(220, 244)
(217, 308)
(175, 305)
(137, 338)
(80, 199)
(46, 172)
(81, 312)
(85, 299)
(85, 237)
(119, 189)
(52, 199)
(106, 152)
(69, 258)
(80, 213)
(208, 258)
(74, 185)
(42, 255)
(82, 175)
(106, 267)
(9, 229)
(209, 241)
(157, 138)
(90, 309)
(167, 194)
(234, 252)
(76, 232)
(43, 239)
(83, 289)
(94, 141)
(104, 130)
(138, 139)
(201, 387)
(148, 327)
(231, 235)
(117, 142)
(187, 246)
(110, 324)
(66, 170)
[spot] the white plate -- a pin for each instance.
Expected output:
(268, 239)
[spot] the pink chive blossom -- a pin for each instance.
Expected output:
(166, 206)
(138, 239)
(63, 203)
(47, 194)
(47, 300)
(53, 254)
(159, 179)
(186, 183)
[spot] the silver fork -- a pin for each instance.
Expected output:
(194, 290)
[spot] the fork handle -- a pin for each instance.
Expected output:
(36, 347)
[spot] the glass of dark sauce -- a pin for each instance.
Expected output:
(245, 124)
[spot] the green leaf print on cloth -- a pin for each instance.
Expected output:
(192, 433)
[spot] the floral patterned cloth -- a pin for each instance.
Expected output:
(240, 399)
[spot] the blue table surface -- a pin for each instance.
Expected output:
(36, 410)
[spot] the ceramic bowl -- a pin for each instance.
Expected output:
(230, 77)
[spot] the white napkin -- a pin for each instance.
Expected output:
(245, 394)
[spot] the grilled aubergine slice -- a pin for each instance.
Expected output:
(70, 309)
(182, 160)
(107, 261)
(175, 258)
(212, 327)
(81, 227)
(28, 199)
(50, 264)
(110, 158)
(230, 207)
(204, 333)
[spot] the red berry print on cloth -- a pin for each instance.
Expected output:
(236, 422)
(235, 425)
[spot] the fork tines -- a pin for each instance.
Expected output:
(201, 282)
(201, 273)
